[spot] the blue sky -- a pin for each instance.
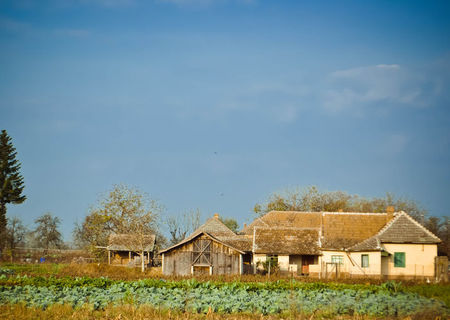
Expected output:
(214, 104)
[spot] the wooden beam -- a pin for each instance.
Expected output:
(241, 264)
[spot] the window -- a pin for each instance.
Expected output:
(364, 261)
(337, 259)
(273, 258)
(399, 259)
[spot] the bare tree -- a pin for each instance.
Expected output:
(179, 227)
(46, 233)
(16, 233)
(313, 200)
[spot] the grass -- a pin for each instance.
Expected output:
(130, 312)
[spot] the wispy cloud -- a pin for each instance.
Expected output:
(12, 25)
(394, 144)
(206, 2)
(279, 101)
(75, 33)
(383, 83)
(109, 3)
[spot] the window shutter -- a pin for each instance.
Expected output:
(399, 259)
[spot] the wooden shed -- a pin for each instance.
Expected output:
(200, 254)
(125, 249)
(211, 249)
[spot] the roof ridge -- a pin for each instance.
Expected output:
(397, 216)
(421, 226)
(214, 219)
(290, 228)
(259, 218)
(328, 212)
(355, 213)
(388, 224)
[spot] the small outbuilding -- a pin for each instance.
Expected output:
(126, 249)
(213, 249)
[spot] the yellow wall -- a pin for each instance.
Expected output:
(283, 263)
(352, 263)
(261, 258)
(374, 267)
(419, 260)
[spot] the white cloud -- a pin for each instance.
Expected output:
(379, 84)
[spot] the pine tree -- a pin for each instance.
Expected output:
(11, 181)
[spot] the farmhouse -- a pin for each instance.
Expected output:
(320, 244)
(125, 249)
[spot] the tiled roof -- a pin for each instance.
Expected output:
(402, 229)
(215, 227)
(241, 242)
(285, 240)
(285, 219)
(197, 234)
(339, 229)
(131, 242)
(342, 230)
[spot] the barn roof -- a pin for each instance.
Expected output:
(197, 234)
(401, 229)
(131, 242)
(216, 227)
(218, 231)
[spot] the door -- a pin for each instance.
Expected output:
(202, 252)
(306, 261)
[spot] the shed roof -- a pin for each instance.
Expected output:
(401, 229)
(195, 235)
(215, 227)
(131, 242)
(218, 231)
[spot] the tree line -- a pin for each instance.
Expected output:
(128, 210)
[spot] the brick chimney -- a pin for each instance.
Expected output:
(216, 215)
(390, 210)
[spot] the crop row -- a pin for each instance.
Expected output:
(227, 300)
(102, 282)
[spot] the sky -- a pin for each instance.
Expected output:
(215, 104)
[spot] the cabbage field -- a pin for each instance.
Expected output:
(280, 297)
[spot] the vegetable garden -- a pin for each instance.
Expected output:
(281, 297)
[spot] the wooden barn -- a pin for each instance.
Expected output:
(125, 249)
(212, 249)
